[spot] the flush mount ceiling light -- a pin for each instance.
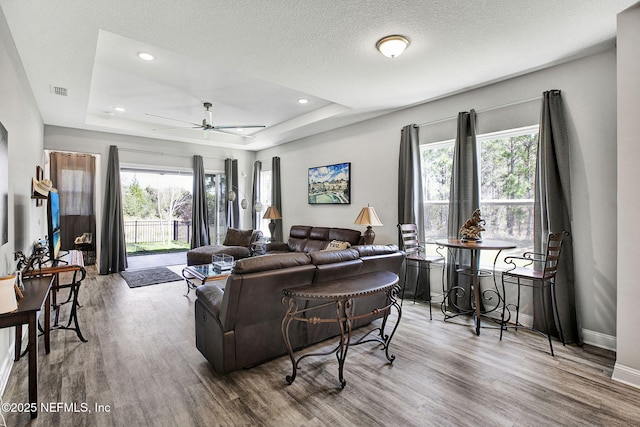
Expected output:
(119, 109)
(392, 46)
(145, 56)
(303, 101)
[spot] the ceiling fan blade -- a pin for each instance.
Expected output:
(239, 127)
(175, 120)
(178, 128)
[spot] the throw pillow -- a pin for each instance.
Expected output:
(237, 237)
(336, 245)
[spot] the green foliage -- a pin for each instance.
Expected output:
(507, 177)
(136, 202)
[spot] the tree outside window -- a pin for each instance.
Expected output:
(507, 183)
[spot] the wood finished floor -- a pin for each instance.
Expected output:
(141, 360)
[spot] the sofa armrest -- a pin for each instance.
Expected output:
(210, 296)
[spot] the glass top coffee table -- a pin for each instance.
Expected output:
(198, 275)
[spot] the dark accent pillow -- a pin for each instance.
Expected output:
(237, 237)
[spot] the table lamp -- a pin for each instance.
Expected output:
(272, 213)
(368, 217)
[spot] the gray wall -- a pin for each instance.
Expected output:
(627, 368)
(589, 91)
(27, 223)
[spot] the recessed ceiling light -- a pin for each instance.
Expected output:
(119, 109)
(392, 46)
(145, 56)
(303, 101)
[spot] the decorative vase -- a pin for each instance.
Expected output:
(8, 300)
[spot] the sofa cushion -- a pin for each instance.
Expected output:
(297, 245)
(300, 231)
(237, 237)
(319, 233)
(315, 245)
(345, 235)
(270, 262)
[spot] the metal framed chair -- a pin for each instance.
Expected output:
(539, 272)
(416, 258)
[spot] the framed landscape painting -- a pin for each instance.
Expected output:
(330, 184)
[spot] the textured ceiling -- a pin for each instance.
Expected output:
(253, 59)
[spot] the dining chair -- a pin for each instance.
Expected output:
(415, 257)
(538, 271)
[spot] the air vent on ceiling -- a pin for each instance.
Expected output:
(57, 90)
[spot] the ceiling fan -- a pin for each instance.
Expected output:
(207, 124)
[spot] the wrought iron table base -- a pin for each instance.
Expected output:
(344, 318)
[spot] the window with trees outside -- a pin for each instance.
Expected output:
(507, 183)
(216, 208)
(157, 207)
(265, 199)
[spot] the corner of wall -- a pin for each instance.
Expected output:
(626, 375)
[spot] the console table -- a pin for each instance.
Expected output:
(341, 294)
(36, 296)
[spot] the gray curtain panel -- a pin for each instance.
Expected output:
(553, 214)
(255, 194)
(73, 175)
(464, 198)
(410, 197)
(276, 196)
(113, 248)
(199, 211)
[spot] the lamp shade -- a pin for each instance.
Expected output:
(368, 216)
(8, 300)
(272, 213)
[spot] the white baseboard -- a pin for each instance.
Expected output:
(598, 339)
(6, 364)
(626, 375)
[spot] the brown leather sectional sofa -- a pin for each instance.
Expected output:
(304, 238)
(241, 326)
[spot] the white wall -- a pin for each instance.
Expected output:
(27, 223)
(589, 91)
(147, 153)
(627, 368)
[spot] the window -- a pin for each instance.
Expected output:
(265, 198)
(507, 182)
(216, 207)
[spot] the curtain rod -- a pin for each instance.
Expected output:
(134, 150)
(497, 107)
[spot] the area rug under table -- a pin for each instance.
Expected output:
(149, 276)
